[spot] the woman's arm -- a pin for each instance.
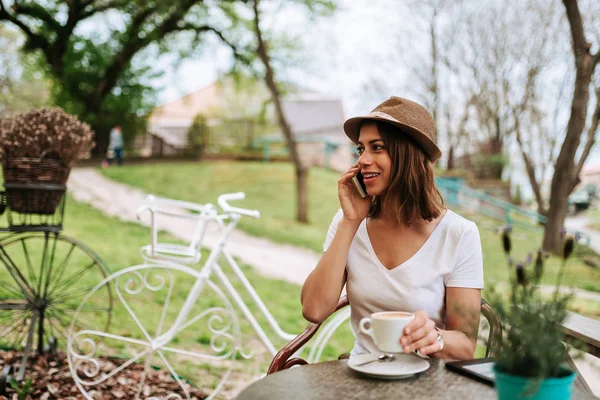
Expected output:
(463, 307)
(322, 288)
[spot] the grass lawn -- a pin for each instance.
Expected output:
(270, 188)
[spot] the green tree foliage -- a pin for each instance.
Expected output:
(104, 76)
(198, 134)
(126, 104)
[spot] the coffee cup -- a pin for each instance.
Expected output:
(386, 328)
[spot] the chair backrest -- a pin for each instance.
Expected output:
(285, 359)
(495, 327)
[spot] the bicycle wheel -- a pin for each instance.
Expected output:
(160, 351)
(43, 278)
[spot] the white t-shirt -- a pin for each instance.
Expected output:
(451, 257)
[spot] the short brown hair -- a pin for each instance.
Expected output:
(411, 192)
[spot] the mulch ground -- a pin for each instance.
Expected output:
(51, 379)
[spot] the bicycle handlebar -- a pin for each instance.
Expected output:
(224, 198)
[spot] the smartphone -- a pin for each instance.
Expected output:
(360, 185)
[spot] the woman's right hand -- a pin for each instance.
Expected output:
(354, 207)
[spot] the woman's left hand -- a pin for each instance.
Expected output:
(420, 334)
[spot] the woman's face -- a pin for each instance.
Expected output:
(374, 161)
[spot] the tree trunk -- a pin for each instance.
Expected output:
(97, 119)
(302, 194)
(556, 218)
(450, 165)
(301, 170)
(566, 173)
(530, 168)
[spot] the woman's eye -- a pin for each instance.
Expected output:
(378, 147)
(360, 150)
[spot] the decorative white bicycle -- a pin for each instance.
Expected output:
(181, 328)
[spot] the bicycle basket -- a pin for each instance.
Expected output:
(40, 199)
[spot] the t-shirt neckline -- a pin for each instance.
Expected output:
(411, 258)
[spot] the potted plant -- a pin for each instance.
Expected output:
(37, 150)
(531, 357)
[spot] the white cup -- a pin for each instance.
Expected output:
(386, 329)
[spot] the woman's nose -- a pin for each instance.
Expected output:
(365, 159)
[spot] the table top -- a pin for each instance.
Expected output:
(335, 380)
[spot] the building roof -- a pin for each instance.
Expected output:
(313, 116)
(183, 110)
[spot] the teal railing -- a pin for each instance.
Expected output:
(456, 193)
(267, 144)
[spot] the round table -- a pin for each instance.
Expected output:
(335, 380)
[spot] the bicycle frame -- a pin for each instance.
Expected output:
(184, 259)
(211, 266)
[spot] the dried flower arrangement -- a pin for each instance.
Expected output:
(43, 132)
(38, 149)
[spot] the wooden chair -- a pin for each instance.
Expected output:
(283, 361)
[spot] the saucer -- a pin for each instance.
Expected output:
(403, 366)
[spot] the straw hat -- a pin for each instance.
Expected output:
(412, 118)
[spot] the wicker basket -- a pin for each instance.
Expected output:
(26, 170)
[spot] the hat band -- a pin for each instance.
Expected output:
(382, 115)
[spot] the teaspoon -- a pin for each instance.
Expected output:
(382, 358)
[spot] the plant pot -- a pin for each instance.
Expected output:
(35, 172)
(511, 387)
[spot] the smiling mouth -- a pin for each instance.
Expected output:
(370, 177)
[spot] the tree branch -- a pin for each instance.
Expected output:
(576, 25)
(35, 40)
(529, 165)
(53, 51)
(590, 136)
(99, 9)
(38, 12)
(136, 43)
(207, 28)
(63, 34)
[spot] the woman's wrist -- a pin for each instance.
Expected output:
(351, 224)
(457, 346)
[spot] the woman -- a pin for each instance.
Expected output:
(399, 249)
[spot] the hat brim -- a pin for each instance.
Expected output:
(352, 130)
